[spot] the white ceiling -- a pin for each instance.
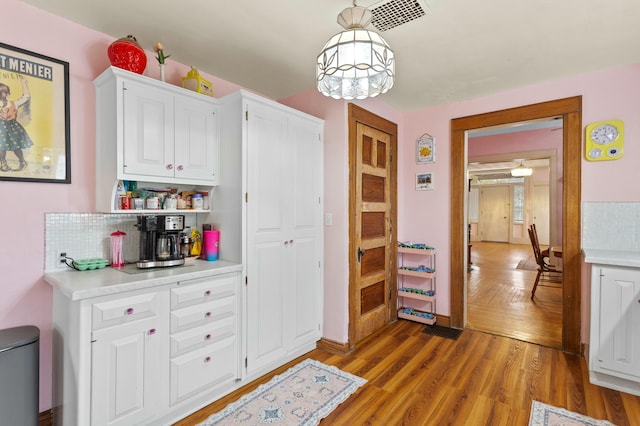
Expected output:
(461, 49)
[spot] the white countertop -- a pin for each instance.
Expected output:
(78, 285)
(612, 257)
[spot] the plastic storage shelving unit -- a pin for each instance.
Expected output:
(425, 290)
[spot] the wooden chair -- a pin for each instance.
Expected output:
(546, 272)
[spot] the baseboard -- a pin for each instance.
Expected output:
(443, 320)
(45, 418)
(333, 347)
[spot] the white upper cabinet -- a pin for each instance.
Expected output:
(151, 131)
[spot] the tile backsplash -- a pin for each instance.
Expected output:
(611, 226)
(87, 235)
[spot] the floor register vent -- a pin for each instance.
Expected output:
(393, 13)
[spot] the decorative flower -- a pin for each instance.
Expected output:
(159, 49)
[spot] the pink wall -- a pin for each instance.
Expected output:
(423, 215)
(26, 297)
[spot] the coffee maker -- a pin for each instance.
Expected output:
(160, 240)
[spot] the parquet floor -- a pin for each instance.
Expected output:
(499, 296)
(480, 379)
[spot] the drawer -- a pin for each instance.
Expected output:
(203, 289)
(204, 369)
(199, 337)
(204, 313)
(124, 310)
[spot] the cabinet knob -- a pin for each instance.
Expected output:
(207, 337)
(286, 243)
(129, 311)
(207, 293)
(180, 168)
(152, 332)
(207, 359)
(169, 166)
(207, 315)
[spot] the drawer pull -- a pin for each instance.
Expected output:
(169, 166)
(207, 337)
(207, 359)
(207, 315)
(207, 293)
(152, 332)
(129, 311)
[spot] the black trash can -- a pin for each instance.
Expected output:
(19, 372)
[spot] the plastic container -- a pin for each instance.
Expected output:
(117, 257)
(211, 242)
(197, 202)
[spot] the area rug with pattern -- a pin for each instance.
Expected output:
(528, 264)
(302, 395)
(548, 415)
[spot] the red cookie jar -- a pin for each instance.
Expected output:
(127, 54)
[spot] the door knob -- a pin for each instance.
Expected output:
(360, 254)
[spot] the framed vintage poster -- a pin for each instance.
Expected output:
(34, 117)
(424, 181)
(425, 149)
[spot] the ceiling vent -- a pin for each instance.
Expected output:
(392, 13)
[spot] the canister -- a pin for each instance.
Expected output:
(197, 201)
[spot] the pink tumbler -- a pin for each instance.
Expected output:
(211, 240)
(117, 258)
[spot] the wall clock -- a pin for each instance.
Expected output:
(604, 140)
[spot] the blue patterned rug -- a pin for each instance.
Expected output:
(302, 395)
(548, 415)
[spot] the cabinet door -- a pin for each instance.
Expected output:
(619, 316)
(196, 135)
(148, 126)
(304, 225)
(267, 267)
(125, 374)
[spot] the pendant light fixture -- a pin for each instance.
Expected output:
(521, 171)
(356, 63)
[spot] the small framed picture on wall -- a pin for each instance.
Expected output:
(425, 149)
(424, 181)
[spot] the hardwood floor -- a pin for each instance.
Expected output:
(479, 379)
(499, 296)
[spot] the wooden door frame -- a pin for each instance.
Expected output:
(356, 115)
(570, 110)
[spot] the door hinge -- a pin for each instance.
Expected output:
(391, 157)
(246, 197)
(246, 362)
(246, 115)
(246, 280)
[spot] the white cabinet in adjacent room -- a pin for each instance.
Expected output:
(614, 352)
(270, 193)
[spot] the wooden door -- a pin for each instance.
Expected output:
(373, 243)
(495, 213)
(540, 209)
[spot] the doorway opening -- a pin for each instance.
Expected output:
(569, 110)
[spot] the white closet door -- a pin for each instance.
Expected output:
(267, 273)
(305, 218)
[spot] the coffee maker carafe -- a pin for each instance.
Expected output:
(159, 240)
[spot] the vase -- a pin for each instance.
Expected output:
(162, 72)
(127, 54)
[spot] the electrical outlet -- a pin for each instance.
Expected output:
(62, 255)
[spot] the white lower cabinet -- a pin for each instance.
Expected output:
(614, 350)
(146, 357)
